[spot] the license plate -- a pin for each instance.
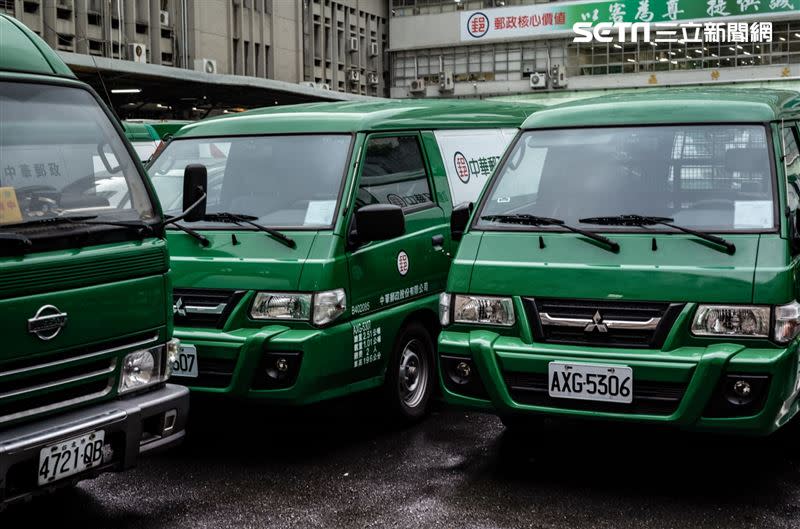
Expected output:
(186, 363)
(70, 457)
(590, 382)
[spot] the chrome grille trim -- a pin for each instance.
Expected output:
(56, 383)
(642, 325)
(76, 359)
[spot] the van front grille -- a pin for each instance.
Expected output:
(204, 307)
(601, 323)
(48, 383)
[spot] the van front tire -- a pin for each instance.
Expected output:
(411, 375)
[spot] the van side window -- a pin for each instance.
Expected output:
(792, 161)
(394, 173)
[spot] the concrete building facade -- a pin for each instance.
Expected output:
(298, 41)
(481, 48)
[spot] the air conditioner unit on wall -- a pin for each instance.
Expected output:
(538, 80)
(163, 17)
(558, 74)
(205, 65)
(137, 52)
(417, 86)
(354, 76)
(373, 49)
(353, 45)
(373, 79)
(324, 86)
(446, 83)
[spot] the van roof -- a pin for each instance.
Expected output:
(358, 116)
(24, 51)
(672, 105)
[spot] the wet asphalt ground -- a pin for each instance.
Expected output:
(340, 465)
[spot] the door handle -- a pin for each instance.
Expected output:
(437, 241)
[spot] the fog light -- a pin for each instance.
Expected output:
(460, 376)
(279, 369)
(742, 388)
(463, 370)
(282, 365)
(740, 392)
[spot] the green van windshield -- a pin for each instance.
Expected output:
(61, 157)
(713, 178)
(282, 181)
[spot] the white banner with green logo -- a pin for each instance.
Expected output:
(559, 18)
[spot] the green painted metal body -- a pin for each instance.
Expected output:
(114, 294)
(167, 129)
(139, 132)
(322, 261)
(762, 271)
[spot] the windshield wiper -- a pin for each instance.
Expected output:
(16, 240)
(248, 219)
(141, 228)
(533, 220)
(640, 221)
(199, 236)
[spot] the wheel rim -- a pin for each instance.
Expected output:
(413, 375)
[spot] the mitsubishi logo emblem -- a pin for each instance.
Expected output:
(597, 324)
(178, 308)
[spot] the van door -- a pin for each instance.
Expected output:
(390, 273)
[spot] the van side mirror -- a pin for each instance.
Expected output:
(195, 182)
(459, 219)
(378, 222)
(794, 231)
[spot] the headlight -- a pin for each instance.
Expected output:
(731, 320)
(787, 322)
(329, 305)
(484, 310)
(143, 368)
(281, 306)
(445, 299)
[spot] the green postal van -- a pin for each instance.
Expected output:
(84, 314)
(316, 269)
(635, 258)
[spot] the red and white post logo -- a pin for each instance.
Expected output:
(402, 263)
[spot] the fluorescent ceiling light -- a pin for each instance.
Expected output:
(125, 90)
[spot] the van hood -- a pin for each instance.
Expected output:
(255, 262)
(681, 268)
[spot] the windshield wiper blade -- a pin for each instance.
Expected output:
(533, 220)
(141, 227)
(642, 220)
(248, 219)
(15, 239)
(199, 236)
(50, 220)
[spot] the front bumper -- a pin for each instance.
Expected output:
(233, 363)
(133, 425)
(678, 387)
